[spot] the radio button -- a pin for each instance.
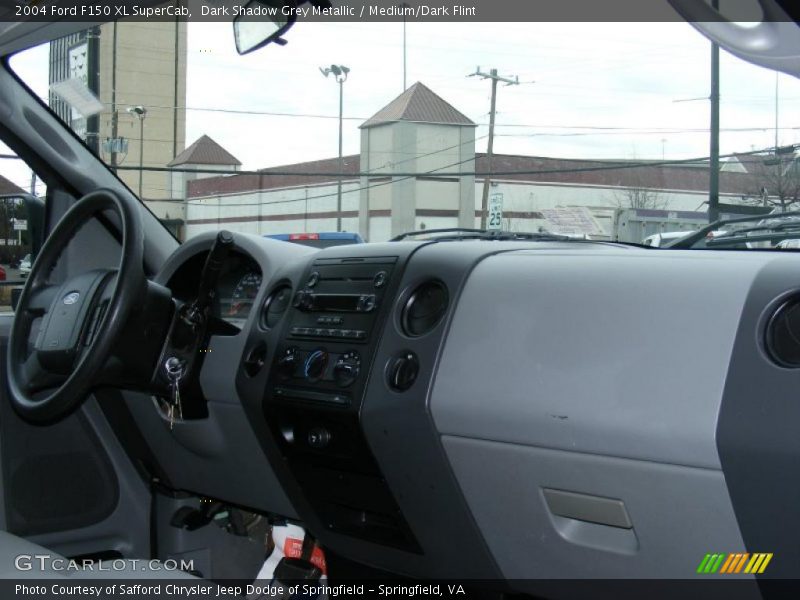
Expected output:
(318, 437)
(366, 303)
(380, 279)
(303, 300)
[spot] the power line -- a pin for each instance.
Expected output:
(358, 118)
(606, 166)
(642, 132)
(317, 197)
(418, 156)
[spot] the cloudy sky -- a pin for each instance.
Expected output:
(593, 90)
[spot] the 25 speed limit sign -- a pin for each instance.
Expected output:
(495, 217)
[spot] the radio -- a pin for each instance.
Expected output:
(340, 299)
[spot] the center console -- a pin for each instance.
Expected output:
(313, 397)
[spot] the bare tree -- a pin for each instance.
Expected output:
(775, 181)
(636, 194)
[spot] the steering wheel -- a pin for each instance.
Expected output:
(52, 367)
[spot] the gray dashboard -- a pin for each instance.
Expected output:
(559, 400)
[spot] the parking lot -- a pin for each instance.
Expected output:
(12, 280)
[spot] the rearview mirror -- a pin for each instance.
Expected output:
(261, 22)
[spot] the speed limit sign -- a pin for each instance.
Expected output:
(495, 217)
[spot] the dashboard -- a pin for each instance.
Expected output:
(236, 290)
(510, 399)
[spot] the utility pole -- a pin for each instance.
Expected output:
(339, 72)
(341, 164)
(404, 6)
(140, 112)
(114, 112)
(713, 184)
(776, 113)
(492, 74)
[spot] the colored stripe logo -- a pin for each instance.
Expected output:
(737, 562)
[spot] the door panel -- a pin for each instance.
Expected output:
(69, 486)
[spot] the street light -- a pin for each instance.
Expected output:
(140, 112)
(340, 74)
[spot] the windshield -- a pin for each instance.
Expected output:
(598, 130)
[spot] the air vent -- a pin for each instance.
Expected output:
(424, 309)
(783, 334)
(276, 304)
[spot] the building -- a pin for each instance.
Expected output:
(289, 199)
(193, 163)
(417, 132)
(9, 187)
(129, 64)
(414, 172)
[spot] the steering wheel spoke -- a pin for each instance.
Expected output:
(40, 299)
(37, 378)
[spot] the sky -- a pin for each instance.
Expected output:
(586, 90)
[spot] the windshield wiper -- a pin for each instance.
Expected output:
(464, 233)
(787, 230)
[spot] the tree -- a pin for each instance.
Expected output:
(635, 193)
(640, 197)
(775, 180)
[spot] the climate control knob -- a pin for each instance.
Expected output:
(315, 364)
(287, 363)
(402, 371)
(347, 368)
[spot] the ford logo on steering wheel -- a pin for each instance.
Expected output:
(71, 298)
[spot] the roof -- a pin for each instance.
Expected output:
(204, 151)
(688, 177)
(9, 187)
(264, 180)
(418, 104)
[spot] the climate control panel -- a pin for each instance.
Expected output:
(319, 365)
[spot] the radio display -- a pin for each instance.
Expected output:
(336, 302)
